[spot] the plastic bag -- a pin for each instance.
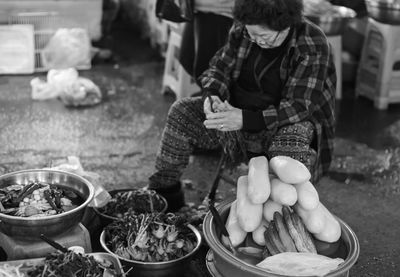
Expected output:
(73, 165)
(83, 92)
(66, 84)
(41, 90)
(67, 48)
(57, 80)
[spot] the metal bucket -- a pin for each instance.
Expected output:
(222, 263)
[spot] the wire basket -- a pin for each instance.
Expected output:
(45, 25)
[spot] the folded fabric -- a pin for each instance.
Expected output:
(300, 264)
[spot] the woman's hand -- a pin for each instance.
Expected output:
(228, 119)
(217, 105)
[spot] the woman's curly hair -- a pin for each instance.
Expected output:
(275, 14)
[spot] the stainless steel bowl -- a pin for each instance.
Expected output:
(225, 264)
(31, 228)
(334, 23)
(101, 257)
(156, 269)
(385, 11)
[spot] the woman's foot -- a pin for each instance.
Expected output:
(173, 194)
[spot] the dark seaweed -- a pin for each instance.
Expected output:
(140, 201)
(70, 264)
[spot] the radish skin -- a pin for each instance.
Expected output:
(236, 234)
(258, 234)
(307, 195)
(332, 230)
(283, 193)
(259, 187)
(249, 214)
(289, 170)
(314, 220)
(269, 208)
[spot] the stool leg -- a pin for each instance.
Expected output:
(381, 103)
(336, 47)
(217, 177)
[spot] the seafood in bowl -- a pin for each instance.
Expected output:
(63, 215)
(37, 199)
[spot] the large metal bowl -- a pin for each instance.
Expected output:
(225, 264)
(26, 264)
(385, 11)
(333, 23)
(31, 228)
(156, 269)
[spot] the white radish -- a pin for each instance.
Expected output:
(249, 214)
(283, 193)
(259, 187)
(314, 220)
(332, 230)
(236, 234)
(258, 234)
(307, 195)
(289, 170)
(269, 208)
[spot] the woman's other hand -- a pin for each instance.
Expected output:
(217, 104)
(228, 119)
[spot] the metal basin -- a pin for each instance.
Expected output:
(385, 11)
(224, 264)
(31, 228)
(27, 264)
(156, 269)
(334, 23)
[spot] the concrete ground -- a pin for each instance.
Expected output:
(118, 139)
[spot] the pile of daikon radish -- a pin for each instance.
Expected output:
(266, 189)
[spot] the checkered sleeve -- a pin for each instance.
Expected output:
(309, 88)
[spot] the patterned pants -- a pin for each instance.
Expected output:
(184, 131)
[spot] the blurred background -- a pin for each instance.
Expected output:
(94, 79)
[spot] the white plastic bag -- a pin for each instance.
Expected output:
(73, 165)
(57, 81)
(62, 79)
(41, 90)
(83, 92)
(67, 48)
(66, 84)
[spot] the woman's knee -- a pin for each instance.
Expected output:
(184, 105)
(295, 141)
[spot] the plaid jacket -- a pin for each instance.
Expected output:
(309, 76)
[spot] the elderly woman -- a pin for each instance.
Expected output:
(269, 91)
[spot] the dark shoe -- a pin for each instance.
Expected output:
(174, 195)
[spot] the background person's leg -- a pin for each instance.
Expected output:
(201, 39)
(210, 34)
(186, 51)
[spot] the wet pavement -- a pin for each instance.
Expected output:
(118, 139)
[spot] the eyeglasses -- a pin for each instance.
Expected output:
(270, 39)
